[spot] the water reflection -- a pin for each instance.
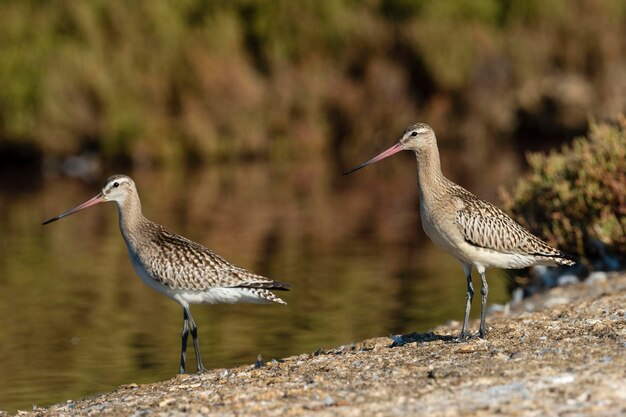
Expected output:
(76, 320)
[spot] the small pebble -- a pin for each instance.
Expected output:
(259, 361)
(166, 402)
(567, 279)
(529, 306)
(517, 296)
(141, 412)
(555, 301)
(496, 308)
(563, 379)
(596, 277)
(466, 349)
(583, 397)
(397, 339)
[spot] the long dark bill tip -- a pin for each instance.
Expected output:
(356, 168)
(54, 219)
(91, 202)
(394, 149)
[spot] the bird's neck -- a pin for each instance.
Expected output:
(430, 178)
(131, 218)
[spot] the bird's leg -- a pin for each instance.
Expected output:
(468, 303)
(196, 346)
(185, 334)
(484, 290)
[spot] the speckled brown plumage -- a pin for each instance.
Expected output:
(179, 263)
(484, 225)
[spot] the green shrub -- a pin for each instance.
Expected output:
(576, 198)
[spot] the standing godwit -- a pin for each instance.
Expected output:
(183, 270)
(474, 231)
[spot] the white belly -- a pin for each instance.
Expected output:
(488, 258)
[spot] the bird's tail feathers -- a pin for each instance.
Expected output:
(268, 285)
(559, 258)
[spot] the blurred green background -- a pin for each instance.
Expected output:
(180, 82)
(235, 118)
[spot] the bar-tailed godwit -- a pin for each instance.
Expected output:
(475, 232)
(183, 270)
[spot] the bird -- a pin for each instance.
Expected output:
(477, 233)
(179, 268)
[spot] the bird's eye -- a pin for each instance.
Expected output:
(413, 133)
(116, 184)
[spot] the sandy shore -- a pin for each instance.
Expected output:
(558, 353)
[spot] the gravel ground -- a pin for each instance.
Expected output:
(558, 353)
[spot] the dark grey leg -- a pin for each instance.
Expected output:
(185, 334)
(196, 346)
(468, 303)
(484, 290)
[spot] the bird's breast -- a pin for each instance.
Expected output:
(440, 228)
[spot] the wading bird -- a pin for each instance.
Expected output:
(475, 232)
(183, 270)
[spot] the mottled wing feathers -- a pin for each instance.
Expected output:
(484, 225)
(181, 263)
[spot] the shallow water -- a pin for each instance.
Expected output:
(75, 320)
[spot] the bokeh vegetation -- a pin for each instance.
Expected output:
(576, 197)
(191, 80)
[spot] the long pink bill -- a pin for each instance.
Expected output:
(394, 149)
(91, 202)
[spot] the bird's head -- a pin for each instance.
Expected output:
(417, 137)
(116, 188)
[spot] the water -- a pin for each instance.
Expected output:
(75, 320)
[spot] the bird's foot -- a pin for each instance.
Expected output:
(202, 370)
(463, 337)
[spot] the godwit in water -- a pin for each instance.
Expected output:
(183, 270)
